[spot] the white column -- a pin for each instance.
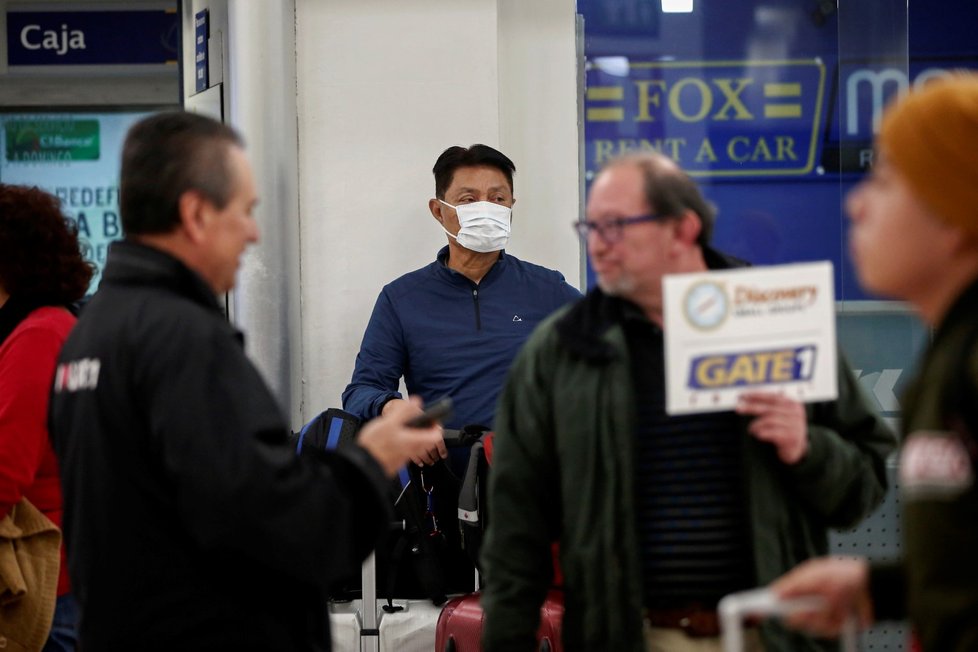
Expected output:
(384, 87)
(261, 67)
(538, 126)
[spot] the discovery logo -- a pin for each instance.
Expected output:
(706, 305)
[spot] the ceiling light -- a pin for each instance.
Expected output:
(677, 6)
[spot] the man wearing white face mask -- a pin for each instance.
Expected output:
(452, 327)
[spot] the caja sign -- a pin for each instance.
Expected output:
(38, 38)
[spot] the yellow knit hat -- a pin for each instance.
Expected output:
(931, 137)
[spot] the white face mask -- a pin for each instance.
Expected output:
(484, 225)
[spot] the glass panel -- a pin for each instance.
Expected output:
(738, 94)
(772, 106)
(74, 156)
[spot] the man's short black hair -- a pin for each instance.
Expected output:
(456, 157)
(166, 155)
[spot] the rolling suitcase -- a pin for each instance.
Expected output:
(344, 625)
(359, 621)
(354, 625)
(369, 624)
(460, 624)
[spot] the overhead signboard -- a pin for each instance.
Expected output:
(37, 39)
(715, 118)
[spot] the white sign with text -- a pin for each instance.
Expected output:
(756, 328)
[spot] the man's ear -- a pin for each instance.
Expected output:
(193, 207)
(688, 228)
(436, 208)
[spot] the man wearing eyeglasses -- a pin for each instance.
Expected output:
(657, 516)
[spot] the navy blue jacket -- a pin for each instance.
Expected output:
(451, 337)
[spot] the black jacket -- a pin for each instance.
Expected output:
(937, 582)
(190, 523)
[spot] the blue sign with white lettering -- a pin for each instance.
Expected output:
(715, 118)
(201, 34)
(771, 107)
(72, 38)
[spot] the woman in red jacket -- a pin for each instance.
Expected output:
(42, 272)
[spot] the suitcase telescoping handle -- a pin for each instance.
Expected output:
(763, 603)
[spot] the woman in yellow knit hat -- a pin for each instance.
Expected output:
(914, 236)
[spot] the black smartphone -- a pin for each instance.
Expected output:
(437, 411)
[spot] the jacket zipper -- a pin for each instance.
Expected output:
(475, 300)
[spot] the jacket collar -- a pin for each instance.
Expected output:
(449, 274)
(583, 327)
(132, 263)
(960, 311)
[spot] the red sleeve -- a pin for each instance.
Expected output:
(26, 368)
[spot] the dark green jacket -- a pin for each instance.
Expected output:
(562, 470)
(939, 492)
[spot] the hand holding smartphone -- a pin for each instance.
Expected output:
(437, 411)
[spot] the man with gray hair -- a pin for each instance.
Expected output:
(657, 516)
(190, 522)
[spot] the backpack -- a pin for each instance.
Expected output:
(472, 499)
(473, 513)
(422, 555)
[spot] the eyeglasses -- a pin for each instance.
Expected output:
(611, 230)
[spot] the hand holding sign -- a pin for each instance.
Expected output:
(734, 333)
(779, 420)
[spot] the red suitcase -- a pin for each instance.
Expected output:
(459, 626)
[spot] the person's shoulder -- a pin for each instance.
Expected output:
(535, 271)
(49, 324)
(52, 318)
(192, 317)
(145, 301)
(532, 268)
(539, 283)
(412, 281)
(414, 276)
(153, 316)
(548, 331)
